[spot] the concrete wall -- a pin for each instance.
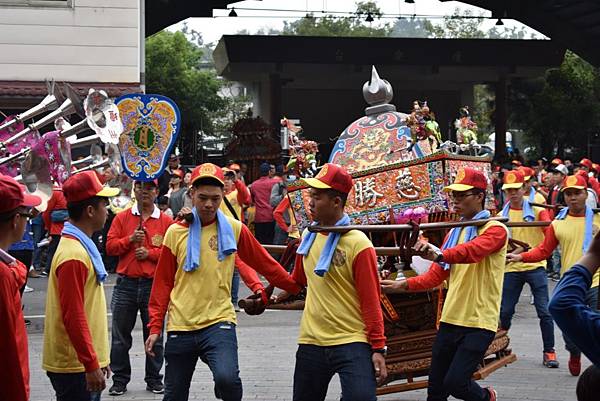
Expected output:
(71, 40)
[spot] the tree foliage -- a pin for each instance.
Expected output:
(172, 63)
(331, 25)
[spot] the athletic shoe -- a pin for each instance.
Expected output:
(550, 360)
(28, 289)
(493, 393)
(117, 389)
(575, 365)
(156, 388)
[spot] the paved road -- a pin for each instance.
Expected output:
(267, 344)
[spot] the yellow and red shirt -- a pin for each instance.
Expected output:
(569, 234)
(76, 325)
(530, 235)
(118, 243)
(200, 298)
(344, 305)
(474, 280)
(14, 380)
(285, 207)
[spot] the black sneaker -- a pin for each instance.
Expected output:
(156, 388)
(117, 389)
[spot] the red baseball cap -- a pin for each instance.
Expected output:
(587, 163)
(513, 179)
(527, 172)
(14, 195)
(556, 161)
(179, 173)
(331, 176)
(467, 178)
(208, 170)
(516, 163)
(596, 167)
(85, 185)
(574, 181)
(234, 167)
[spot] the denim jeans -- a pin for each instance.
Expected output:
(216, 346)
(130, 296)
(38, 234)
(591, 300)
(316, 365)
(235, 287)
(456, 352)
(71, 387)
(513, 285)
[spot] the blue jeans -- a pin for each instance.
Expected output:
(130, 296)
(513, 285)
(71, 387)
(316, 365)
(456, 353)
(38, 234)
(216, 346)
(235, 287)
(591, 300)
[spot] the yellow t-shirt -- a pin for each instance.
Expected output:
(59, 355)
(332, 310)
(570, 234)
(475, 289)
(532, 236)
(202, 297)
(232, 198)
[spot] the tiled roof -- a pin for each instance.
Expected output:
(29, 89)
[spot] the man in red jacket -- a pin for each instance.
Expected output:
(264, 224)
(137, 241)
(15, 209)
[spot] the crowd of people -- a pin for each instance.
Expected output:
(187, 238)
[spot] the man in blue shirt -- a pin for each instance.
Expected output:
(568, 306)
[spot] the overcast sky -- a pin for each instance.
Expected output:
(213, 28)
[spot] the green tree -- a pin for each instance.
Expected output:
(564, 111)
(411, 28)
(331, 25)
(172, 70)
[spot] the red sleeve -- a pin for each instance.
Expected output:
(256, 256)
(12, 383)
(72, 276)
(298, 274)
(164, 280)
(248, 275)
(278, 213)
(117, 241)
(434, 277)
(154, 254)
(490, 241)
(19, 271)
(243, 194)
(364, 269)
(543, 250)
(544, 216)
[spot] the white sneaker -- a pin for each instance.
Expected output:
(28, 289)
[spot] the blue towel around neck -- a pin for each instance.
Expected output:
(528, 213)
(226, 243)
(328, 250)
(589, 221)
(90, 248)
(531, 194)
(471, 233)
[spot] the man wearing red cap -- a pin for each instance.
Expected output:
(519, 273)
(587, 166)
(193, 282)
(342, 323)
(472, 261)
(573, 229)
(529, 190)
(137, 241)
(76, 355)
(15, 210)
